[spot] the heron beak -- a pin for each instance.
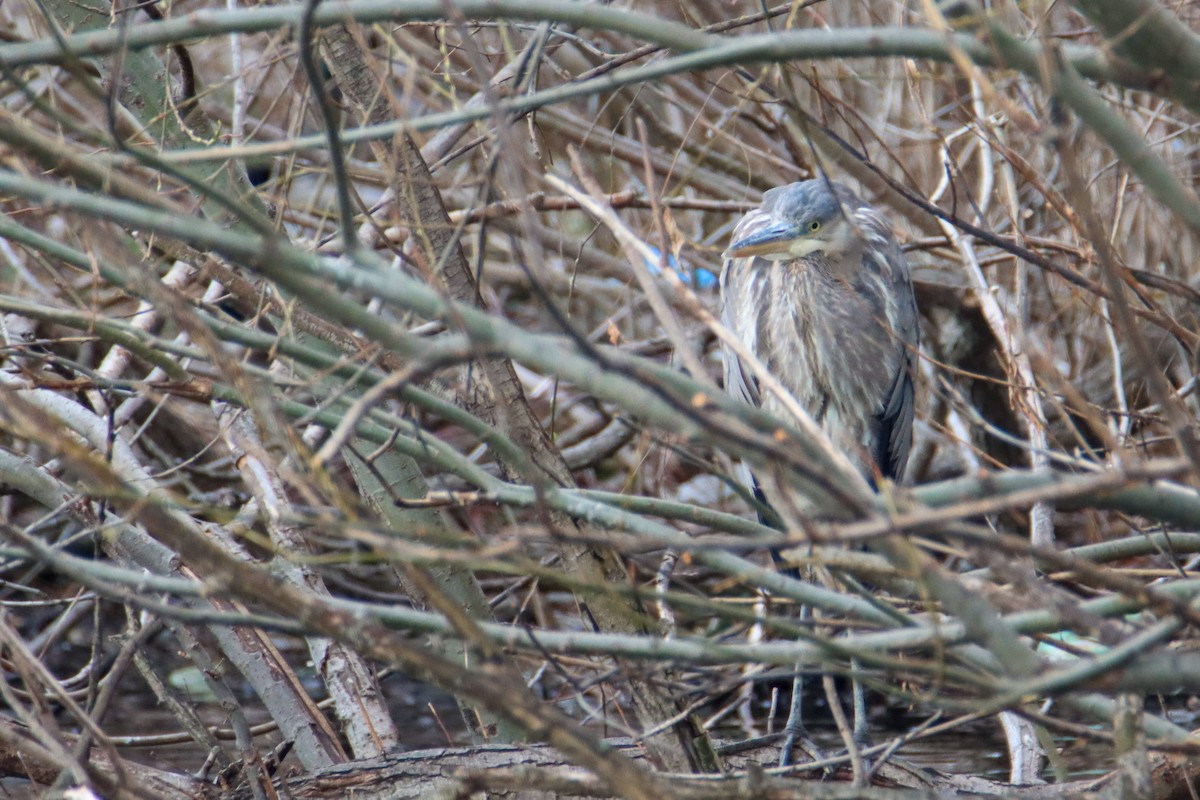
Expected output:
(780, 240)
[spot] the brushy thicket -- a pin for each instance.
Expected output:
(278, 411)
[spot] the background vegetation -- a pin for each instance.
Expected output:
(360, 396)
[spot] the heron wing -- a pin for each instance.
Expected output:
(739, 382)
(885, 259)
(895, 424)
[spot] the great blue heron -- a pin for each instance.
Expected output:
(817, 288)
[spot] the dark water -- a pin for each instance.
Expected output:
(977, 748)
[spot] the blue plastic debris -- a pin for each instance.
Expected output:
(704, 279)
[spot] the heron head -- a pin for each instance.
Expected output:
(803, 218)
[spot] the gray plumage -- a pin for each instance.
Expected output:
(816, 286)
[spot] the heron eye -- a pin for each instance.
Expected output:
(814, 226)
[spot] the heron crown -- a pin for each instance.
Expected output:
(816, 202)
